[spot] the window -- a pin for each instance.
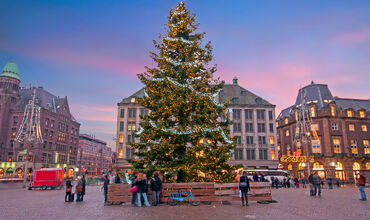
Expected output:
(286, 120)
(249, 140)
(133, 100)
(238, 154)
(270, 115)
(273, 154)
(349, 113)
(296, 115)
(312, 111)
(130, 138)
(131, 126)
(272, 140)
(238, 140)
(316, 148)
(315, 127)
(288, 150)
(52, 124)
(271, 127)
(362, 114)
(121, 125)
(261, 140)
(260, 114)
(354, 146)
(120, 153)
(248, 127)
(122, 113)
(290, 167)
(236, 113)
(263, 154)
(336, 145)
(14, 132)
(129, 153)
(332, 110)
(248, 113)
(334, 126)
(237, 127)
(235, 100)
(120, 139)
(261, 127)
(366, 146)
(287, 133)
(251, 154)
(15, 120)
(363, 128)
(144, 111)
(351, 127)
(132, 113)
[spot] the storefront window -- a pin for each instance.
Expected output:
(318, 166)
(367, 166)
(70, 172)
(19, 173)
(1, 172)
(290, 167)
(9, 172)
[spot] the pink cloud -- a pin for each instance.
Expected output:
(353, 37)
(88, 112)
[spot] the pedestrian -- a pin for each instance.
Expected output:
(303, 182)
(276, 183)
(156, 187)
(255, 177)
(133, 184)
(244, 187)
(67, 197)
(262, 178)
(105, 187)
(272, 182)
(78, 189)
(117, 180)
(310, 182)
(284, 182)
(330, 183)
(111, 177)
(142, 188)
(338, 183)
(288, 182)
(322, 184)
(316, 184)
(83, 187)
(361, 182)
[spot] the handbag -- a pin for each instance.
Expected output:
(79, 189)
(69, 189)
(133, 189)
(243, 184)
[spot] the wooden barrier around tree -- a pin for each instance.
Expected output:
(209, 192)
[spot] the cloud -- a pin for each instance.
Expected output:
(352, 37)
(90, 112)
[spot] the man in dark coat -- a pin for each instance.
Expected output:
(83, 187)
(105, 187)
(244, 187)
(156, 187)
(255, 177)
(133, 183)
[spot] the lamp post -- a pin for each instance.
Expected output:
(29, 132)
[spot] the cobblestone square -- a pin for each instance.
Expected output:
(342, 203)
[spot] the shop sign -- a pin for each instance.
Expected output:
(293, 159)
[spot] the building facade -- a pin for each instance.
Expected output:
(59, 129)
(253, 125)
(338, 146)
(94, 156)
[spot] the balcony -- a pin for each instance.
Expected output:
(340, 154)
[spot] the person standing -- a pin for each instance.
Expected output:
(79, 189)
(142, 187)
(105, 187)
(244, 187)
(117, 180)
(83, 187)
(156, 187)
(316, 184)
(255, 177)
(310, 182)
(276, 181)
(67, 197)
(133, 183)
(361, 182)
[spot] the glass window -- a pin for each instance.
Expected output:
(120, 153)
(249, 140)
(272, 140)
(366, 146)
(351, 127)
(353, 146)
(120, 139)
(248, 113)
(349, 113)
(336, 145)
(251, 154)
(132, 113)
(287, 133)
(362, 114)
(332, 110)
(363, 127)
(273, 154)
(270, 115)
(133, 100)
(238, 154)
(238, 140)
(121, 125)
(131, 126)
(261, 127)
(312, 111)
(236, 113)
(260, 114)
(263, 154)
(334, 126)
(271, 127)
(237, 127)
(248, 127)
(122, 113)
(316, 148)
(261, 140)
(286, 120)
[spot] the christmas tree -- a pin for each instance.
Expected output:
(186, 134)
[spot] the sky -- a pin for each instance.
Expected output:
(91, 51)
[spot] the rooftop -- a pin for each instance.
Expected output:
(11, 70)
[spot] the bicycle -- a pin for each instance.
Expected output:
(176, 197)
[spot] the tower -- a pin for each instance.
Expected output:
(9, 97)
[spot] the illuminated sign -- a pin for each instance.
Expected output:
(293, 159)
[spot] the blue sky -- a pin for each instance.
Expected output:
(91, 51)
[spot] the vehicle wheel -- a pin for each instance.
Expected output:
(194, 201)
(29, 188)
(44, 187)
(171, 201)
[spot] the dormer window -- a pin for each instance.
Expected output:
(285, 120)
(362, 114)
(243, 93)
(235, 100)
(133, 100)
(349, 113)
(312, 111)
(332, 110)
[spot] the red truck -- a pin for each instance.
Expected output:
(48, 178)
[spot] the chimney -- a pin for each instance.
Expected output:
(235, 81)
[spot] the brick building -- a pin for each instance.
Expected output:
(58, 127)
(253, 124)
(94, 156)
(341, 146)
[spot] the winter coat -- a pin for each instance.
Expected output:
(106, 183)
(362, 180)
(142, 186)
(244, 179)
(315, 179)
(83, 186)
(133, 181)
(117, 180)
(156, 184)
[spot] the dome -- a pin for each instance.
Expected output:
(11, 70)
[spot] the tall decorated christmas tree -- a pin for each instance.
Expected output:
(186, 134)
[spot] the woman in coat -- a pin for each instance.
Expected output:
(156, 186)
(67, 198)
(83, 187)
(244, 187)
(79, 189)
(142, 188)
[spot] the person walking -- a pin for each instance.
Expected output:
(316, 184)
(133, 184)
(67, 197)
(117, 180)
(310, 182)
(156, 187)
(276, 181)
(78, 189)
(361, 182)
(105, 187)
(142, 187)
(330, 183)
(244, 187)
(83, 187)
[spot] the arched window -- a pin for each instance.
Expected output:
(318, 166)
(120, 153)
(9, 172)
(338, 166)
(19, 172)
(290, 167)
(301, 166)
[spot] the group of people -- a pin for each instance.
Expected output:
(80, 189)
